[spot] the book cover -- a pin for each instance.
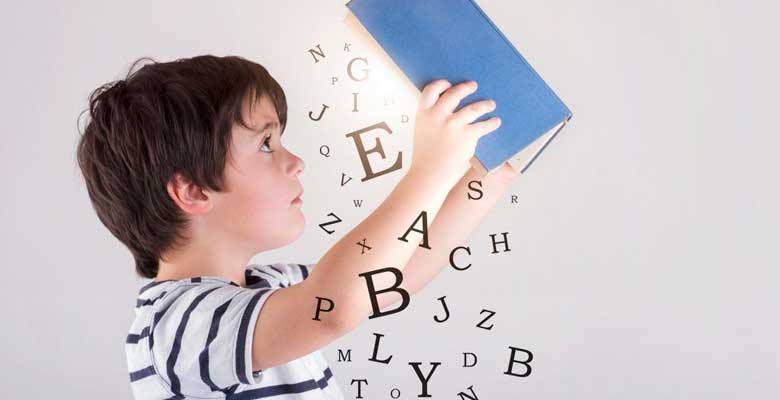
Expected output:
(455, 40)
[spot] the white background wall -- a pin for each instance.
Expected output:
(644, 246)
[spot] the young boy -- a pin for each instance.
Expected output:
(184, 164)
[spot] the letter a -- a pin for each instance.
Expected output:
(424, 231)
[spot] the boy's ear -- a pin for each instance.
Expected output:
(188, 196)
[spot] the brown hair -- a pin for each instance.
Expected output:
(163, 119)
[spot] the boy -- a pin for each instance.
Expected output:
(184, 164)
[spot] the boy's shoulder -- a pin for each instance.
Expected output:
(257, 276)
(187, 326)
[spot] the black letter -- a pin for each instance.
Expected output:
(424, 231)
(364, 246)
(319, 302)
(359, 381)
(324, 107)
(465, 362)
(343, 175)
(512, 361)
(324, 224)
(399, 277)
(345, 357)
(446, 317)
(475, 189)
(424, 379)
(505, 242)
(452, 261)
(376, 350)
(479, 325)
(461, 394)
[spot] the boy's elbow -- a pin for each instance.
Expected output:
(345, 321)
(346, 317)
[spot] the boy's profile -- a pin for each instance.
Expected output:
(184, 164)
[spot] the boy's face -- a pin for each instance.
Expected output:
(257, 208)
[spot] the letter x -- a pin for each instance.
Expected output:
(363, 245)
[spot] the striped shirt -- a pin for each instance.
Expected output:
(192, 339)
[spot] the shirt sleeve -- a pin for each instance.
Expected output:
(201, 340)
(282, 274)
(297, 272)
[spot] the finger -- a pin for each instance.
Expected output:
(452, 97)
(431, 93)
(471, 112)
(482, 128)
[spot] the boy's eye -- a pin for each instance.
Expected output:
(265, 143)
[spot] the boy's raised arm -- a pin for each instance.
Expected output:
(444, 142)
(456, 220)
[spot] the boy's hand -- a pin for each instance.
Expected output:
(444, 141)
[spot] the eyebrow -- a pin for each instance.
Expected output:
(270, 124)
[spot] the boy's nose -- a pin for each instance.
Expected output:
(297, 164)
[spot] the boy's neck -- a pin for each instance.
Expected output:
(204, 260)
(177, 273)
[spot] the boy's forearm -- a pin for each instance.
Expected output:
(458, 218)
(336, 275)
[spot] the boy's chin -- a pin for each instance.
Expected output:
(294, 231)
(299, 230)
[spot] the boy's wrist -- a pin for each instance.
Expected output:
(430, 180)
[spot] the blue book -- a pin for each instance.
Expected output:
(455, 40)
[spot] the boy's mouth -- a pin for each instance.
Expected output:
(299, 196)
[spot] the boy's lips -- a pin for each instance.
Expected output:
(299, 195)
